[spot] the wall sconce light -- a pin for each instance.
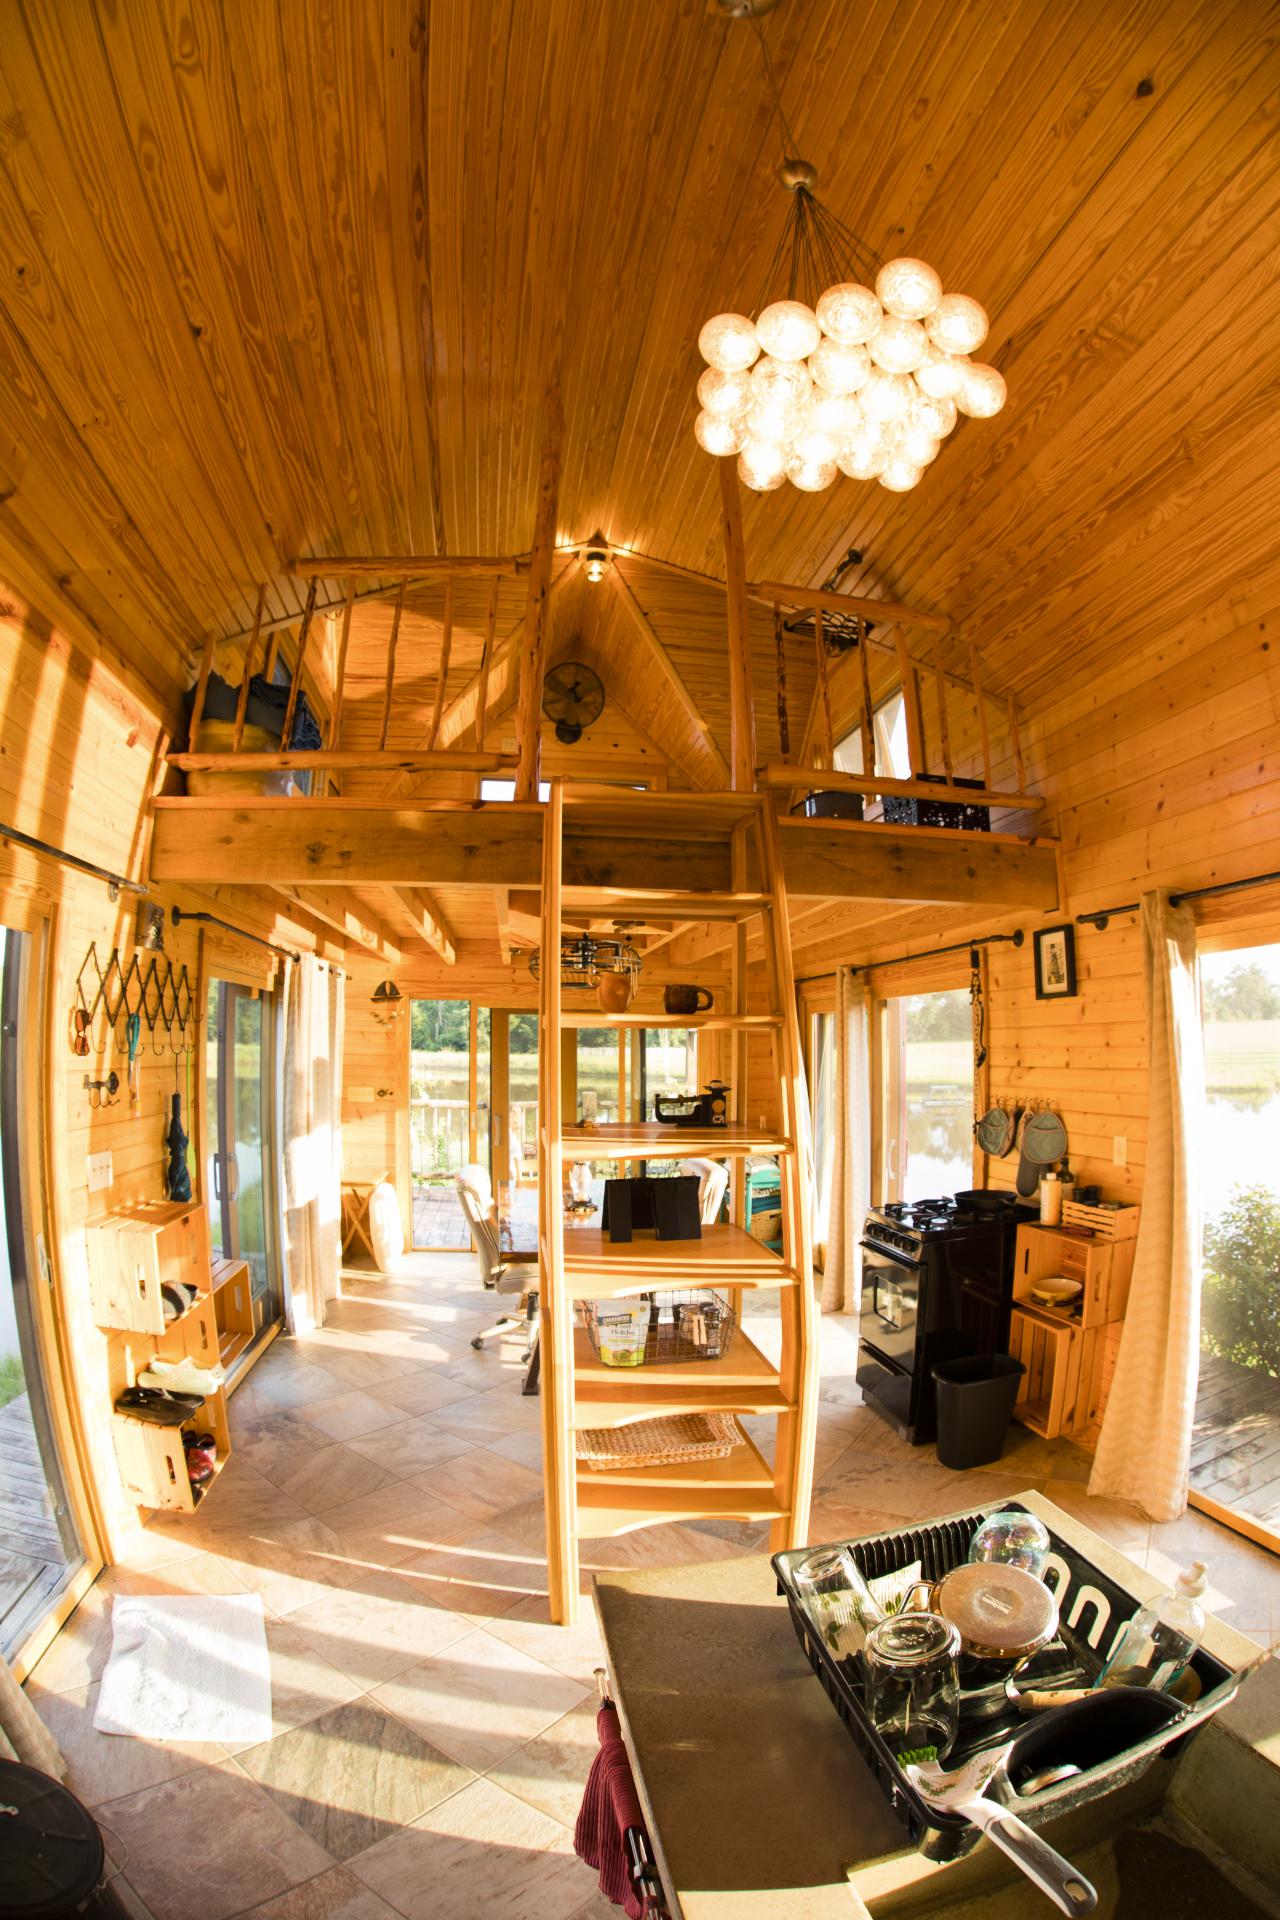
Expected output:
(596, 558)
(387, 1002)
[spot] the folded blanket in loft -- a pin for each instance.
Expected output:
(265, 710)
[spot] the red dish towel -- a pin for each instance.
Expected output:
(609, 1807)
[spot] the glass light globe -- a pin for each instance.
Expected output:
(908, 288)
(935, 417)
(899, 475)
(775, 425)
(862, 459)
(816, 448)
(958, 325)
(788, 330)
(886, 396)
(811, 476)
(839, 369)
(720, 436)
(899, 346)
(724, 394)
(983, 393)
(779, 382)
(917, 444)
(940, 375)
(848, 313)
(836, 414)
(729, 342)
(762, 466)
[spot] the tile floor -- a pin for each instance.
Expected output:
(432, 1729)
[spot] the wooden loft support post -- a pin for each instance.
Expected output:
(389, 685)
(780, 657)
(446, 646)
(533, 656)
(911, 703)
(486, 662)
(742, 720)
(868, 720)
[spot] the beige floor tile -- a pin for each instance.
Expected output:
(395, 1524)
(349, 1415)
(304, 1684)
(271, 1441)
(483, 1573)
(289, 1565)
(409, 1447)
(378, 1628)
(354, 1777)
(551, 1771)
(294, 1386)
(209, 1844)
(106, 1766)
(576, 1651)
(485, 1417)
(480, 1483)
(144, 1550)
(479, 1699)
(524, 1448)
(336, 1895)
(242, 1499)
(420, 1391)
(1117, 1522)
(330, 1476)
(483, 1853)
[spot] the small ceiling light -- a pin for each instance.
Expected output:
(596, 558)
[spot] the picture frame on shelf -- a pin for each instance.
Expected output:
(1055, 963)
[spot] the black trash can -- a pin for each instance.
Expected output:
(52, 1860)
(975, 1405)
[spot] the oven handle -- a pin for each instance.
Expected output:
(898, 1259)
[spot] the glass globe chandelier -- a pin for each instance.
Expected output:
(863, 368)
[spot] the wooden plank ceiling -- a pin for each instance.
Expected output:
(281, 279)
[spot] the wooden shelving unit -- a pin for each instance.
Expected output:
(1069, 1354)
(578, 1390)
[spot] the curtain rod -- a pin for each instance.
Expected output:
(116, 882)
(1104, 914)
(1015, 939)
(212, 920)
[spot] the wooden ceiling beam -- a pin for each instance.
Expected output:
(662, 660)
(419, 911)
(742, 735)
(403, 566)
(353, 922)
(775, 593)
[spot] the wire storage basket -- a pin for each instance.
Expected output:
(1091, 1607)
(693, 1324)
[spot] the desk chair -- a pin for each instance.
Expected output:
(507, 1273)
(713, 1182)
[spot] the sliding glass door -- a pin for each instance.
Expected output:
(41, 1551)
(1235, 1455)
(240, 1081)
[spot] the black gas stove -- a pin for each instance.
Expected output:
(937, 1284)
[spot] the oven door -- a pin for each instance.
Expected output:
(890, 1305)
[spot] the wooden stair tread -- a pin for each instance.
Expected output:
(594, 1406)
(725, 1256)
(745, 1470)
(665, 904)
(650, 1140)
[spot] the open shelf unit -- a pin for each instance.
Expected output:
(579, 1392)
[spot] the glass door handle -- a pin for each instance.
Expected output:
(217, 1176)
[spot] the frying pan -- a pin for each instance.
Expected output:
(1042, 1139)
(995, 1131)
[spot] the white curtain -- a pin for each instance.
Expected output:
(314, 998)
(849, 1190)
(1144, 1450)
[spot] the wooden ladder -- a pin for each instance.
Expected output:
(578, 1391)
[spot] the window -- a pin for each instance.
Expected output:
(506, 789)
(927, 1082)
(889, 730)
(1235, 1457)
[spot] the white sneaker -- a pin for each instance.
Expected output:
(182, 1376)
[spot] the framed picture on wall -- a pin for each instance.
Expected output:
(1055, 950)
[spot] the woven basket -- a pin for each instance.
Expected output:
(659, 1443)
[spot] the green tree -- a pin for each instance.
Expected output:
(1240, 1309)
(939, 1016)
(1245, 994)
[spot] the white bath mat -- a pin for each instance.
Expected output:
(187, 1667)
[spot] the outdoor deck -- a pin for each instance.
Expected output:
(440, 1225)
(33, 1563)
(1235, 1452)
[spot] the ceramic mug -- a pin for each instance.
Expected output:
(686, 999)
(613, 991)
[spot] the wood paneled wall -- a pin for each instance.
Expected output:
(1163, 772)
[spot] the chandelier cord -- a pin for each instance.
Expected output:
(789, 139)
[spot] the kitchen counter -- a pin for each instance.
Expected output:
(758, 1804)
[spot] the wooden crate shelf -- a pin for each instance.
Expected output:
(1104, 1268)
(650, 1140)
(578, 1390)
(725, 1256)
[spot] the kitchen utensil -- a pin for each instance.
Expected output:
(964, 1791)
(1056, 1290)
(1042, 1141)
(910, 1681)
(995, 1131)
(1002, 1613)
(614, 991)
(685, 999)
(707, 1109)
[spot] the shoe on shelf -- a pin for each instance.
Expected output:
(159, 1409)
(182, 1376)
